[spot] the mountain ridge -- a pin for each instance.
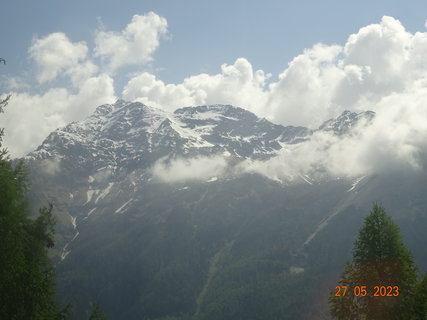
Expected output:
(214, 127)
(177, 249)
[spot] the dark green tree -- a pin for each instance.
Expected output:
(27, 280)
(420, 300)
(379, 259)
(97, 313)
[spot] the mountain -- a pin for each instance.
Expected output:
(125, 134)
(346, 121)
(228, 246)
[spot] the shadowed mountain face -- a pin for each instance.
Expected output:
(229, 246)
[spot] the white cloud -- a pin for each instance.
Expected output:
(94, 92)
(302, 95)
(16, 84)
(55, 54)
(387, 69)
(133, 45)
(382, 67)
(395, 140)
(50, 166)
(30, 118)
(81, 72)
(153, 92)
(237, 84)
(378, 60)
(177, 170)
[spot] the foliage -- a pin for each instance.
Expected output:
(97, 313)
(420, 300)
(3, 104)
(379, 259)
(27, 279)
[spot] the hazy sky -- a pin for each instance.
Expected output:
(297, 62)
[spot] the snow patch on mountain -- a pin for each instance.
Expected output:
(121, 209)
(73, 222)
(306, 178)
(65, 251)
(104, 192)
(356, 183)
(89, 195)
(296, 270)
(89, 213)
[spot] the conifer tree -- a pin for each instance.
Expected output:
(26, 275)
(97, 313)
(420, 300)
(381, 278)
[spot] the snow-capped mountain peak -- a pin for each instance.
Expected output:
(130, 132)
(346, 121)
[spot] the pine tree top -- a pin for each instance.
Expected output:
(379, 240)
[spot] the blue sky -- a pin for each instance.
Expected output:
(297, 63)
(204, 34)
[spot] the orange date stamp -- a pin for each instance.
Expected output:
(362, 291)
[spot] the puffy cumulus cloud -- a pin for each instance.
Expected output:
(381, 67)
(302, 95)
(133, 45)
(30, 118)
(180, 169)
(323, 155)
(153, 92)
(237, 84)
(399, 134)
(93, 92)
(396, 139)
(83, 71)
(390, 43)
(379, 60)
(55, 54)
(320, 83)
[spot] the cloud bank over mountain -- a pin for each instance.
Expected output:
(382, 67)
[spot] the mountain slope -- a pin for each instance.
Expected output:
(232, 246)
